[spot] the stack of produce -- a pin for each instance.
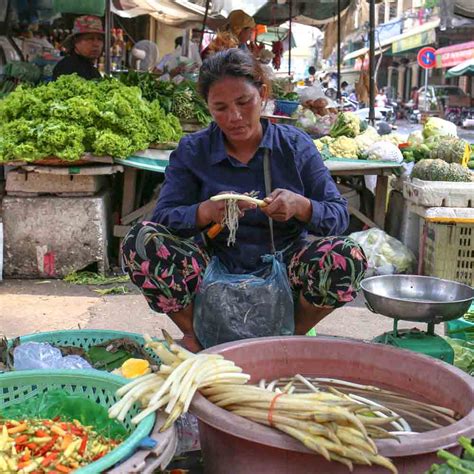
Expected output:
(42, 445)
(182, 100)
(438, 154)
(328, 423)
(72, 116)
(352, 138)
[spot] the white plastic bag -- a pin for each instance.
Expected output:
(385, 254)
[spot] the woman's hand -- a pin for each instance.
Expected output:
(213, 211)
(284, 204)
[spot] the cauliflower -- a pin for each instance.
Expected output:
(344, 147)
(415, 138)
(384, 151)
(347, 124)
(435, 126)
(394, 138)
(364, 140)
(322, 142)
(319, 144)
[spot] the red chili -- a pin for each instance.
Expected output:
(48, 446)
(21, 439)
(41, 434)
(83, 445)
(49, 459)
(98, 456)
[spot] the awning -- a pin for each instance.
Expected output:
(431, 25)
(466, 68)
(166, 11)
(307, 12)
(455, 54)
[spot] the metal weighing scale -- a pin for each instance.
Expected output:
(417, 298)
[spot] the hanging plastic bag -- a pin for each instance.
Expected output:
(230, 307)
(385, 254)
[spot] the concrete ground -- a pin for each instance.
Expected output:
(29, 306)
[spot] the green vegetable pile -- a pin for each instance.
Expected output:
(454, 464)
(183, 99)
(282, 90)
(71, 116)
(347, 124)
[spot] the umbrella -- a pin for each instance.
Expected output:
(466, 68)
(310, 12)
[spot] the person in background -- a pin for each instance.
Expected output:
(84, 46)
(312, 76)
(344, 91)
(241, 25)
(414, 96)
(178, 41)
(381, 98)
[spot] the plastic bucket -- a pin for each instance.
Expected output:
(229, 440)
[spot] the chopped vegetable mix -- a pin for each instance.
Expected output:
(49, 446)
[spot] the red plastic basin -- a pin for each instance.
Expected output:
(231, 444)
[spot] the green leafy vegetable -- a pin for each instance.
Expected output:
(115, 290)
(90, 278)
(71, 116)
(183, 100)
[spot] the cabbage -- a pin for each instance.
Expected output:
(385, 254)
(435, 126)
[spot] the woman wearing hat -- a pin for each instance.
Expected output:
(237, 33)
(241, 25)
(85, 46)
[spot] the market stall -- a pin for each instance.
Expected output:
(157, 161)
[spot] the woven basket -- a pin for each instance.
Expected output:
(85, 338)
(100, 387)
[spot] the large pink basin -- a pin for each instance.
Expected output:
(233, 445)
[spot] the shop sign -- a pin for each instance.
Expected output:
(414, 41)
(453, 58)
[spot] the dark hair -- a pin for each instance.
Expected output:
(312, 70)
(344, 84)
(231, 62)
(178, 41)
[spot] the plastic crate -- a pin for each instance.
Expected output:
(457, 328)
(100, 387)
(448, 251)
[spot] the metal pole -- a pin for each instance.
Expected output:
(426, 90)
(372, 62)
(206, 13)
(108, 37)
(339, 50)
(289, 38)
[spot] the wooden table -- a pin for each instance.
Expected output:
(157, 161)
(383, 170)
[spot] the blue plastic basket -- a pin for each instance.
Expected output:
(85, 338)
(287, 107)
(100, 387)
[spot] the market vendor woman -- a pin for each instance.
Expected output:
(85, 46)
(167, 258)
